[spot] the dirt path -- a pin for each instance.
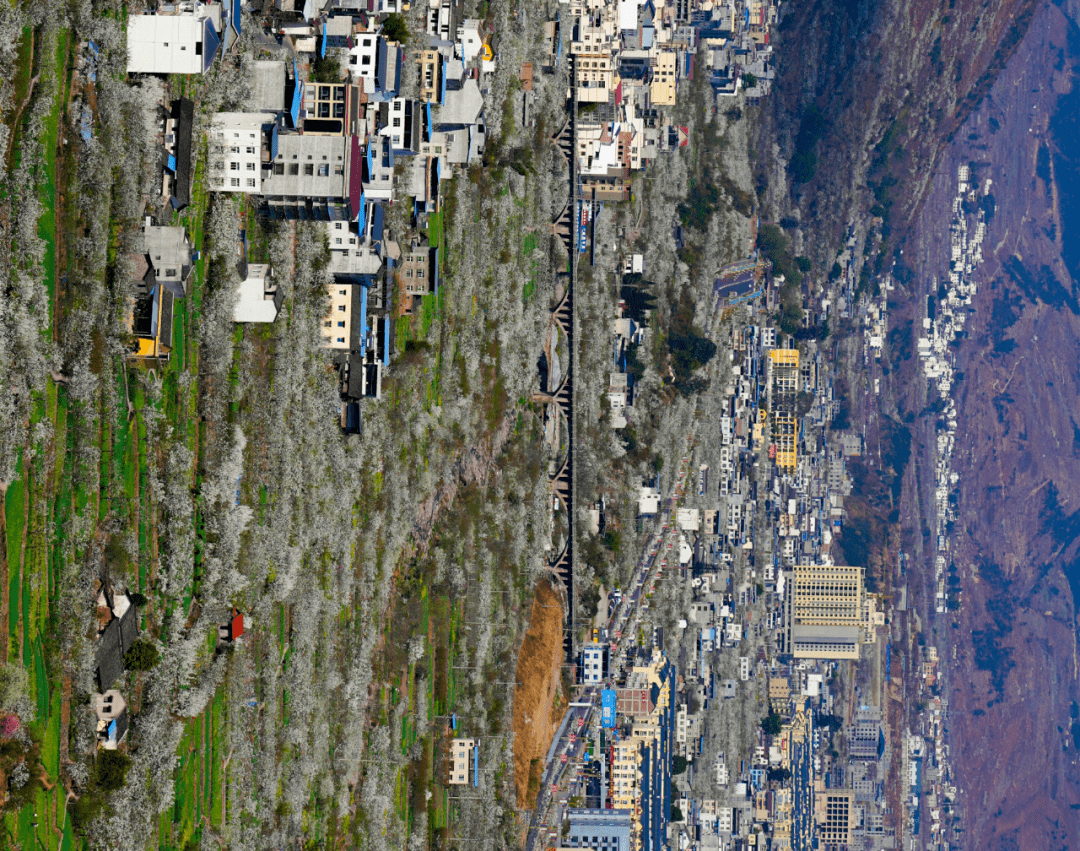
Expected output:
(538, 684)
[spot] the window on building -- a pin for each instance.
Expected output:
(309, 170)
(341, 339)
(324, 110)
(342, 292)
(294, 169)
(324, 170)
(397, 121)
(251, 166)
(337, 241)
(338, 170)
(324, 93)
(250, 149)
(327, 324)
(341, 324)
(234, 181)
(339, 93)
(251, 183)
(234, 166)
(279, 168)
(341, 308)
(235, 149)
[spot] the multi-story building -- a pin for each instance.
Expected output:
(237, 144)
(826, 612)
(592, 664)
(418, 272)
(337, 326)
(783, 391)
(600, 829)
(431, 65)
(462, 756)
(184, 41)
(662, 86)
(833, 812)
(330, 109)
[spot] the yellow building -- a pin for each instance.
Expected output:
(152, 325)
(826, 612)
(337, 324)
(833, 816)
(662, 88)
(460, 756)
(783, 391)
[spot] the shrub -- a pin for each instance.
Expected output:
(142, 656)
(394, 28)
(110, 769)
(772, 724)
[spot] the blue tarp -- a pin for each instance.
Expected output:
(427, 113)
(476, 765)
(361, 217)
(322, 44)
(171, 164)
(442, 85)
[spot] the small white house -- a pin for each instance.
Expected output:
(257, 299)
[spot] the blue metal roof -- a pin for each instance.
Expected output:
(378, 215)
(427, 115)
(363, 320)
(476, 765)
(273, 141)
(211, 42)
(361, 215)
(442, 84)
(171, 164)
(298, 96)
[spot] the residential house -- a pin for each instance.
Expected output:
(240, 142)
(112, 718)
(118, 627)
(418, 273)
(184, 40)
(177, 138)
(464, 755)
(233, 628)
(259, 298)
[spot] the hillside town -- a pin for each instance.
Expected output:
(743, 689)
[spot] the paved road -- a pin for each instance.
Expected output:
(660, 552)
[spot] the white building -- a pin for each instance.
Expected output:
(236, 144)
(592, 664)
(257, 299)
(184, 42)
(470, 40)
(648, 500)
(364, 58)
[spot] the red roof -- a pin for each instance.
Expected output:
(237, 625)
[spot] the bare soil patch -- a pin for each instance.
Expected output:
(538, 686)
